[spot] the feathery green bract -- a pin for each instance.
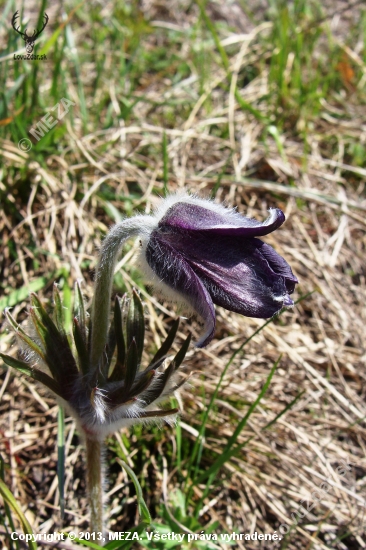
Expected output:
(128, 330)
(131, 366)
(135, 326)
(119, 379)
(167, 344)
(110, 349)
(100, 397)
(165, 379)
(142, 383)
(178, 359)
(30, 343)
(59, 356)
(81, 347)
(42, 334)
(118, 371)
(80, 313)
(58, 311)
(36, 374)
(153, 414)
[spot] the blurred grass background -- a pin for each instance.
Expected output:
(259, 105)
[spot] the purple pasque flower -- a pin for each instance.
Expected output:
(201, 253)
(197, 253)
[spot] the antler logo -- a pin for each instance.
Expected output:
(29, 40)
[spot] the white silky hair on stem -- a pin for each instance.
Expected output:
(110, 249)
(137, 226)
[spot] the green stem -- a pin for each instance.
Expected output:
(94, 468)
(111, 247)
(61, 458)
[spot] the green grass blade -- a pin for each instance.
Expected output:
(86, 543)
(165, 164)
(12, 503)
(245, 106)
(53, 38)
(229, 451)
(288, 407)
(238, 448)
(75, 61)
(178, 438)
(143, 509)
(253, 406)
(197, 449)
(211, 27)
(7, 509)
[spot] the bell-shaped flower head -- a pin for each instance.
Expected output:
(198, 253)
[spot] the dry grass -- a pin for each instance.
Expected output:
(322, 340)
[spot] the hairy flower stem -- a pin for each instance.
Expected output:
(108, 255)
(94, 467)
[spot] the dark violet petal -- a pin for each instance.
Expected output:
(192, 217)
(172, 269)
(277, 264)
(184, 215)
(245, 290)
(235, 273)
(211, 255)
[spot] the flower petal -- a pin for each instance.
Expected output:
(193, 217)
(170, 266)
(278, 265)
(236, 274)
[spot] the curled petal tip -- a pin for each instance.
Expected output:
(288, 302)
(208, 335)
